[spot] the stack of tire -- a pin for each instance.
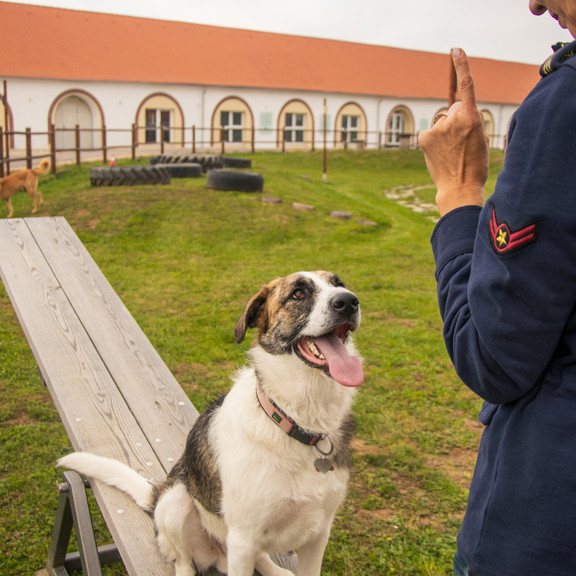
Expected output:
(222, 172)
(232, 177)
(206, 161)
(129, 175)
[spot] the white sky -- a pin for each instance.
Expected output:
(499, 29)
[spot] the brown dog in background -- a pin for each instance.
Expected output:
(26, 179)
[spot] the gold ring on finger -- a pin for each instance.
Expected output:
(438, 116)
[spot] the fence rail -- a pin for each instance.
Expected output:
(73, 145)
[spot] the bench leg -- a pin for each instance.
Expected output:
(73, 512)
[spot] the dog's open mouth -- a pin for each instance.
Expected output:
(329, 353)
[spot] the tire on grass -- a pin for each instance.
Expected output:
(129, 176)
(236, 162)
(207, 161)
(184, 170)
(235, 180)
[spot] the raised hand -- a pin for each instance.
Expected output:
(456, 147)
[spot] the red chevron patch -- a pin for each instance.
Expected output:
(505, 241)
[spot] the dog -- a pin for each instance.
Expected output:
(265, 466)
(26, 179)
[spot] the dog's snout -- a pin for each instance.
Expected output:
(345, 303)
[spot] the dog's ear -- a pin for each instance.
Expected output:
(251, 314)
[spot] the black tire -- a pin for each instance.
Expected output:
(129, 176)
(207, 161)
(183, 170)
(235, 180)
(236, 162)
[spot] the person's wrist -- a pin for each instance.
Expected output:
(448, 200)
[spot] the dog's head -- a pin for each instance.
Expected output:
(311, 315)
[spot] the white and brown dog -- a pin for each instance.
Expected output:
(265, 466)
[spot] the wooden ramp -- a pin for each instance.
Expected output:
(114, 394)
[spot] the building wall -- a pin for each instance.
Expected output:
(34, 103)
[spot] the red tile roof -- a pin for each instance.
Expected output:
(39, 42)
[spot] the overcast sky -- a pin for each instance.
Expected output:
(500, 29)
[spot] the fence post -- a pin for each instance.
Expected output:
(77, 142)
(193, 139)
(222, 145)
(104, 145)
(6, 126)
(7, 139)
(1, 152)
(325, 138)
(161, 139)
(253, 140)
(52, 141)
(28, 149)
(134, 142)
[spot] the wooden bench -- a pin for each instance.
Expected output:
(114, 394)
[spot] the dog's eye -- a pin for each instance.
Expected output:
(298, 294)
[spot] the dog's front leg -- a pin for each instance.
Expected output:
(310, 555)
(241, 554)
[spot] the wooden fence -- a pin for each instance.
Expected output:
(161, 140)
(191, 139)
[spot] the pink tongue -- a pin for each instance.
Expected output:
(344, 368)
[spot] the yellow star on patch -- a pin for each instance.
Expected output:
(502, 238)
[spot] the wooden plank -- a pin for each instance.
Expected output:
(92, 410)
(158, 402)
(106, 379)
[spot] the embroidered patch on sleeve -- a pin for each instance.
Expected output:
(505, 240)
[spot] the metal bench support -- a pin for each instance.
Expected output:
(73, 512)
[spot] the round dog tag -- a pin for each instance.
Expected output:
(323, 465)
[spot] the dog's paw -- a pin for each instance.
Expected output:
(267, 567)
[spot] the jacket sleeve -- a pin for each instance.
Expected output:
(506, 273)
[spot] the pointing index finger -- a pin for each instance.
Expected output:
(465, 80)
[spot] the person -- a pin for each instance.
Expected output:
(506, 282)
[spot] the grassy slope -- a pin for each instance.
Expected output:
(185, 260)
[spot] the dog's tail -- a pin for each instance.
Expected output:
(113, 473)
(44, 167)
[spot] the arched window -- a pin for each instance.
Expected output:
(233, 122)
(296, 125)
(159, 118)
(400, 128)
(6, 115)
(489, 125)
(350, 126)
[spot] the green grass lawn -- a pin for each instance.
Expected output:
(185, 260)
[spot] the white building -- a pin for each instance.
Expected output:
(186, 82)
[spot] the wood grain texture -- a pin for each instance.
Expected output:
(94, 413)
(114, 394)
(141, 376)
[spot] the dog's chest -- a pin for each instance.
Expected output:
(291, 523)
(269, 482)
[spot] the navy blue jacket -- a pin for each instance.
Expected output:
(506, 278)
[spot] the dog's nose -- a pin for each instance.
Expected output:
(345, 303)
